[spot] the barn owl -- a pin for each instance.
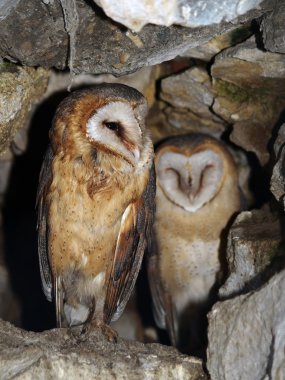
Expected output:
(95, 204)
(197, 194)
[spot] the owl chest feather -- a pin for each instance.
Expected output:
(84, 226)
(189, 256)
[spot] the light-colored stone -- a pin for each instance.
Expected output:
(134, 14)
(254, 241)
(58, 354)
(211, 48)
(20, 89)
(247, 335)
(143, 80)
(249, 87)
(190, 96)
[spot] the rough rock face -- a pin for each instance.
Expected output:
(192, 13)
(20, 89)
(249, 85)
(254, 241)
(278, 176)
(33, 33)
(247, 335)
(58, 354)
(273, 28)
(190, 97)
(37, 32)
(208, 50)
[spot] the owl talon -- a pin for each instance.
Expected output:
(110, 334)
(107, 331)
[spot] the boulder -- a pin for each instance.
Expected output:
(247, 335)
(60, 353)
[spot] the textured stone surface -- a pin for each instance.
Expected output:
(190, 96)
(20, 89)
(247, 335)
(273, 28)
(254, 241)
(43, 32)
(211, 48)
(249, 85)
(58, 354)
(143, 80)
(277, 185)
(193, 13)
(32, 32)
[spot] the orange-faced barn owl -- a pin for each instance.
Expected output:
(95, 204)
(197, 195)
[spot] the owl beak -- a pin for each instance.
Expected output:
(137, 154)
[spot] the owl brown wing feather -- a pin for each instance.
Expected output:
(132, 241)
(163, 309)
(42, 225)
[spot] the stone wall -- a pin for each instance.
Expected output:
(219, 72)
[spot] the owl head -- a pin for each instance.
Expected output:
(192, 169)
(106, 118)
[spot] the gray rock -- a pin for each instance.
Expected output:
(38, 33)
(247, 335)
(20, 89)
(33, 33)
(58, 354)
(273, 28)
(277, 185)
(254, 241)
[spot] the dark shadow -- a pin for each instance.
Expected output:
(19, 218)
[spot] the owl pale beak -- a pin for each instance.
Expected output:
(137, 154)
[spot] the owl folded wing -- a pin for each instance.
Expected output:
(42, 206)
(134, 237)
(163, 308)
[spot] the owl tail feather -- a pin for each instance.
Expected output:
(58, 290)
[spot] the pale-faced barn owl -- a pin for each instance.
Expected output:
(95, 204)
(197, 195)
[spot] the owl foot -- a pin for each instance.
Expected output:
(108, 332)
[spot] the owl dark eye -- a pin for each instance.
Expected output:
(112, 125)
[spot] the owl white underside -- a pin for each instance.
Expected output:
(191, 280)
(77, 315)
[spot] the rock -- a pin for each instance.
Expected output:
(190, 96)
(20, 89)
(192, 13)
(249, 93)
(58, 354)
(191, 89)
(252, 136)
(143, 80)
(32, 32)
(277, 185)
(247, 335)
(273, 28)
(211, 48)
(9, 304)
(254, 241)
(96, 44)
(261, 70)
